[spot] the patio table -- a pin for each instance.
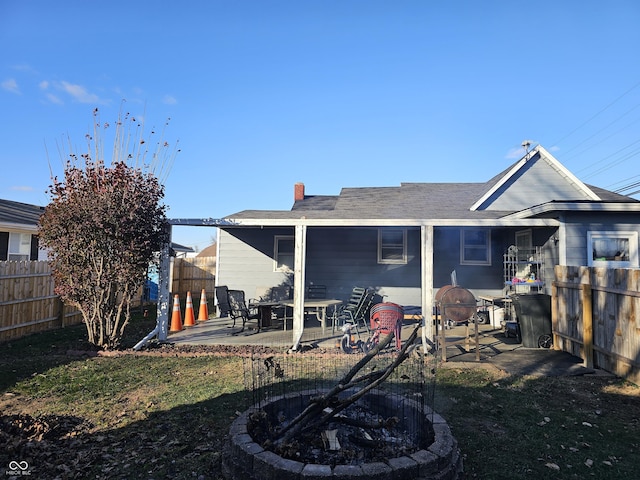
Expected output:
(265, 309)
(319, 307)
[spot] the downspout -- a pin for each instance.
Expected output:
(162, 316)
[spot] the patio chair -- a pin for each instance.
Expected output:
(222, 300)
(239, 309)
(316, 292)
(356, 310)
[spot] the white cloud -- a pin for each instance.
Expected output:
(169, 100)
(23, 67)
(54, 99)
(515, 153)
(43, 85)
(80, 94)
(22, 188)
(10, 85)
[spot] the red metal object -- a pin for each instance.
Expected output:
(386, 318)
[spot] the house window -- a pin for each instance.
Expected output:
(19, 246)
(612, 249)
(475, 247)
(392, 245)
(284, 253)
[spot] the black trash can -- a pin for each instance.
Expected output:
(533, 311)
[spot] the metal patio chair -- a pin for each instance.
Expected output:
(316, 292)
(356, 310)
(240, 309)
(222, 300)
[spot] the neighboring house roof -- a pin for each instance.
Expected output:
(209, 251)
(24, 216)
(177, 248)
(536, 180)
(20, 216)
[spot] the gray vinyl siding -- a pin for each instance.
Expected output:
(480, 279)
(535, 183)
(342, 258)
(246, 260)
(578, 224)
(485, 279)
(339, 258)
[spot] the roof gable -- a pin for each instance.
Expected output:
(535, 179)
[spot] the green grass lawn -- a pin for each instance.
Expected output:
(161, 417)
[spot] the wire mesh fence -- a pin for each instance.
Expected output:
(271, 376)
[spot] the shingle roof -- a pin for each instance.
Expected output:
(441, 201)
(408, 201)
(609, 196)
(20, 213)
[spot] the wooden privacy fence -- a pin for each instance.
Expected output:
(595, 316)
(27, 302)
(192, 275)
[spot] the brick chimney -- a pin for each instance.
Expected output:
(298, 192)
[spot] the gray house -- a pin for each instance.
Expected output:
(18, 231)
(504, 235)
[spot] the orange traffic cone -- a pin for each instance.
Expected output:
(176, 317)
(203, 313)
(189, 317)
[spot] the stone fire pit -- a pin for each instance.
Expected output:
(433, 452)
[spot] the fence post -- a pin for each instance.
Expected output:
(554, 316)
(587, 324)
(60, 309)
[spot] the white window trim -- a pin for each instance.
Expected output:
(463, 261)
(387, 261)
(15, 256)
(276, 240)
(633, 249)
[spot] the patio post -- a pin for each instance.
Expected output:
(299, 262)
(162, 318)
(426, 242)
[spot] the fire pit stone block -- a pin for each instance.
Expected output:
(347, 471)
(377, 470)
(427, 462)
(312, 471)
(444, 444)
(403, 467)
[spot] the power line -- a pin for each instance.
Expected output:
(615, 162)
(597, 114)
(602, 130)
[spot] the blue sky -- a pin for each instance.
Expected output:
(264, 94)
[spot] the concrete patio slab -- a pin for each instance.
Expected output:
(501, 352)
